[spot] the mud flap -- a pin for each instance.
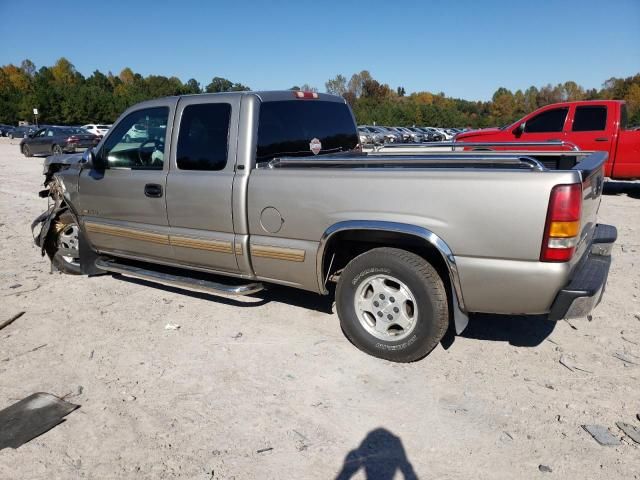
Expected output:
(87, 256)
(460, 318)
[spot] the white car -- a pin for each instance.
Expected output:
(96, 129)
(447, 135)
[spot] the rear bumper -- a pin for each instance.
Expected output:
(585, 290)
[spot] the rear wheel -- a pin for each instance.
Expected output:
(26, 151)
(392, 304)
(57, 150)
(63, 245)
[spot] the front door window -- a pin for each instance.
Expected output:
(138, 142)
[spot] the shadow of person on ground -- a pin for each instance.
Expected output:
(611, 187)
(381, 455)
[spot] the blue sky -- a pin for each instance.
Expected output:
(466, 49)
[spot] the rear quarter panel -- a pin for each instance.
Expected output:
(493, 221)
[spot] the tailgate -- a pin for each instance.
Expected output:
(592, 172)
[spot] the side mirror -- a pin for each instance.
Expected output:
(90, 160)
(519, 130)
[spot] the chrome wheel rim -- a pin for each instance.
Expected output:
(68, 240)
(57, 150)
(386, 307)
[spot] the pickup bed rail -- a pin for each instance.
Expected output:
(432, 159)
(453, 145)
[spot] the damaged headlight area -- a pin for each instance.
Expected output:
(56, 192)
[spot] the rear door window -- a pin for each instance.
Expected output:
(590, 119)
(204, 137)
(304, 128)
(548, 121)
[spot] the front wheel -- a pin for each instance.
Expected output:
(392, 304)
(26, 151)
(63, 246)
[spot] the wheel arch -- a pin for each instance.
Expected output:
(420, 240)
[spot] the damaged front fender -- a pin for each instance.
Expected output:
(46, 218)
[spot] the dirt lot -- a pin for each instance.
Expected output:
(268, 387)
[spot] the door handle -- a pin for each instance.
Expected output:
(153, 190)
(602, 139)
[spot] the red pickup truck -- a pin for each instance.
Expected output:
(591, 125)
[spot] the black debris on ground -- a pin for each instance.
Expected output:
(31, 417)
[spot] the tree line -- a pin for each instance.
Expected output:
(63, 95)
(373, 101)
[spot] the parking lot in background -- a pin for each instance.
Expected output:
(267, 386)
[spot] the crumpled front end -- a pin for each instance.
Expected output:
(46, 218)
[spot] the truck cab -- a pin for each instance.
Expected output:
(595, 125)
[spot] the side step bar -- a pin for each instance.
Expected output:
(177, 280)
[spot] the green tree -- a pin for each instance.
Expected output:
(219, 84)
(192, 86)
(337, 85)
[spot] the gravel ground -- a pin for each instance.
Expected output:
(268, 387)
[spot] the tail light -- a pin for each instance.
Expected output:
(72, 139)
(562, 229)
(308, 95)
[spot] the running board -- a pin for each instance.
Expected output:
(177, 280)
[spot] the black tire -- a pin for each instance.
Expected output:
(26, 151)
(431, 310)
(56, 150)
(62, 225)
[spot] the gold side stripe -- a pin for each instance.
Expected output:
(262, 251)
(210, 245)
(278, 253)
(158, 238)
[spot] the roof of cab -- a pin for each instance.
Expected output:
(273, 95)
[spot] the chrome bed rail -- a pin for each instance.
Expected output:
(453, 145)
(431, 159)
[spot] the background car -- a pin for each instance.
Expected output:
(57, 140)
(389, 135)
(97, 129)
(366, 138)
(4, 129)
(413, 136)
(423, 136)
(136, 132)
(445, 133)
(404, 136)
(21, 132)
(437, 135)
(377, 135)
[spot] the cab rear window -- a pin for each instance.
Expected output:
(304, 128)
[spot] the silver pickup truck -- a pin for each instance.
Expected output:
(229, 192)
